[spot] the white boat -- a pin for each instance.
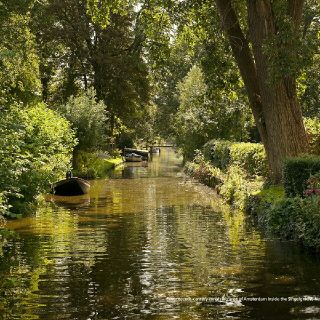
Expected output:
(133, 157)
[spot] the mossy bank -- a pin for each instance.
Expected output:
(95, 165)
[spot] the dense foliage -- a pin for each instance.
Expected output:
(297, 171)
(126, 72)
(19, 62)
(250, 157)
(200, 117)
(36, 146)
(297, 219)
(236, 170)
(93, 165)
(294, 218)
(88, 118)
(313, 130)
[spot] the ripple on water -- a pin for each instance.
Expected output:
(149, 244)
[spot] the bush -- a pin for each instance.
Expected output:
(88, 118)
(4, 207)
(204, 172)
(297, 171)
(35, 150)
(218, 153)
(251, 157)
(237, 187)
(297, 219)
(259, 202)
(93, 165)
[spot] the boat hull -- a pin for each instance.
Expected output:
(143, 153)
(71, 187)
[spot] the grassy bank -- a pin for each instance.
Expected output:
(95, 165)
(237, 171)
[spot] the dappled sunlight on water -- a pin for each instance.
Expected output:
(149, 243)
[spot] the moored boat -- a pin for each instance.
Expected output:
(133, 157)
(71, 187)
(143, 153)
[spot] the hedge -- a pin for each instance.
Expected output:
(297, 219)
(296, 172)
(250, 157)
(218, 153)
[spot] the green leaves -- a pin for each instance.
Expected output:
(291, 48)
(36, 146)
(100, 11)
(19, 63)
(88, 118)
(202, 116)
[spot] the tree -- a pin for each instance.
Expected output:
(95, 49)
(269, 62)
(309, 89)
(202, 116)
(88, 118)
(19, 63)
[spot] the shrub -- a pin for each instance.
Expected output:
(297, 171)
(237, 188)
(94, 165)
(297, 219)
(203, 171)
(313, 185)
(285, 218)
(88, 118)
(260, 202)
(4, 207)
(36, 146)
(218, 153)
(249, 156)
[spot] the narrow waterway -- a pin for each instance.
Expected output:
(149, 243)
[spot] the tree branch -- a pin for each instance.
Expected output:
(244, 58)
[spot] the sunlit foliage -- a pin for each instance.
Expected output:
(36, 145)
(88, 118)
(200, 117)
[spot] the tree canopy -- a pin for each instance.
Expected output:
(129, 71)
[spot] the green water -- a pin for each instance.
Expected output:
(149, 243)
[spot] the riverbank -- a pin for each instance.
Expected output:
(238, 172)
(95, 165)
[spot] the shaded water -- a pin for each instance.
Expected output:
(150, 244)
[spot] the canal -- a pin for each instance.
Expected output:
(149, 243)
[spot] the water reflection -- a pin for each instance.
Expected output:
(149, 244)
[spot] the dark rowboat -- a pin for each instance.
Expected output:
(71, 187)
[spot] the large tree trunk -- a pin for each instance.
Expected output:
(281, 110)
(274, 103)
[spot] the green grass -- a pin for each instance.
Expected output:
(259, 203)
(90, 166)
(272, 194)
(114, 162)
